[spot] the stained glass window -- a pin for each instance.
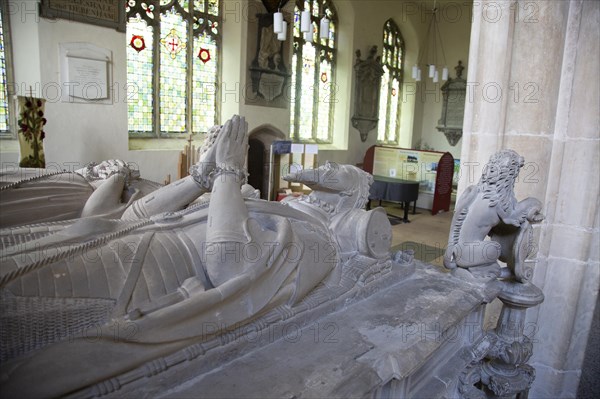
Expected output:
(391, 84)
(172, 66)
(313, 75)
(6, 107)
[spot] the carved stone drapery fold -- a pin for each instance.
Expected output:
(366, 99)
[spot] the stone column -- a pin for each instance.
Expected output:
(488, 76)
(543, 58)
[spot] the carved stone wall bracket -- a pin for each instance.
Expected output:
(364, 126)
(453, 136)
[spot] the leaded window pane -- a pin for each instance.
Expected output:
(3, 84)
(394, 111)
(325, 101)
(8, 128)
(314, 6)
(307, 94)
(391, 84)
(313, 75)
(331, 41)
(213, 7)
(293, 91)
(139, 75)
(383, 105)
(173, 77)
(204, 87)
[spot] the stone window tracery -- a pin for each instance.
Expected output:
(313, 75)
(388, 129)
(173, 51)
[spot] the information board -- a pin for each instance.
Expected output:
(432, 169)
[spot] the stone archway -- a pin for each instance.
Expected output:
(259, 157)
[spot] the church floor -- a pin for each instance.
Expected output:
(427, 235)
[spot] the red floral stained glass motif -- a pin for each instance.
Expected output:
(138, 43)
(173, 43)
(204, 55)
(324, 77)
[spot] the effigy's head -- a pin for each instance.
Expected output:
(348, 184)
(502, 168)
(105, 169)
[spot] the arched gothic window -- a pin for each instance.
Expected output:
(313, 75)
(7, 123)
(391, 84)
(173, 57)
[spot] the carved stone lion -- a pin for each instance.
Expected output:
(484, 210)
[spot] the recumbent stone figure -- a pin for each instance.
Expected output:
(164, 276)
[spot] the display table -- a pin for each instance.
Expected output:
(434, 171)
(394, 190)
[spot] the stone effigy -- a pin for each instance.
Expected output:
(148, 283)
(187, 302)
(44, 195)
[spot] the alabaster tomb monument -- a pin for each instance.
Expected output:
(199, 289)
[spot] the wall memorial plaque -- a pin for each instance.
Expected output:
(268, 71)
(108, 13)
(367, 81)
(453, 108)
(85, 73)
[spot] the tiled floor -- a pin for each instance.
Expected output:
(427, 234)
